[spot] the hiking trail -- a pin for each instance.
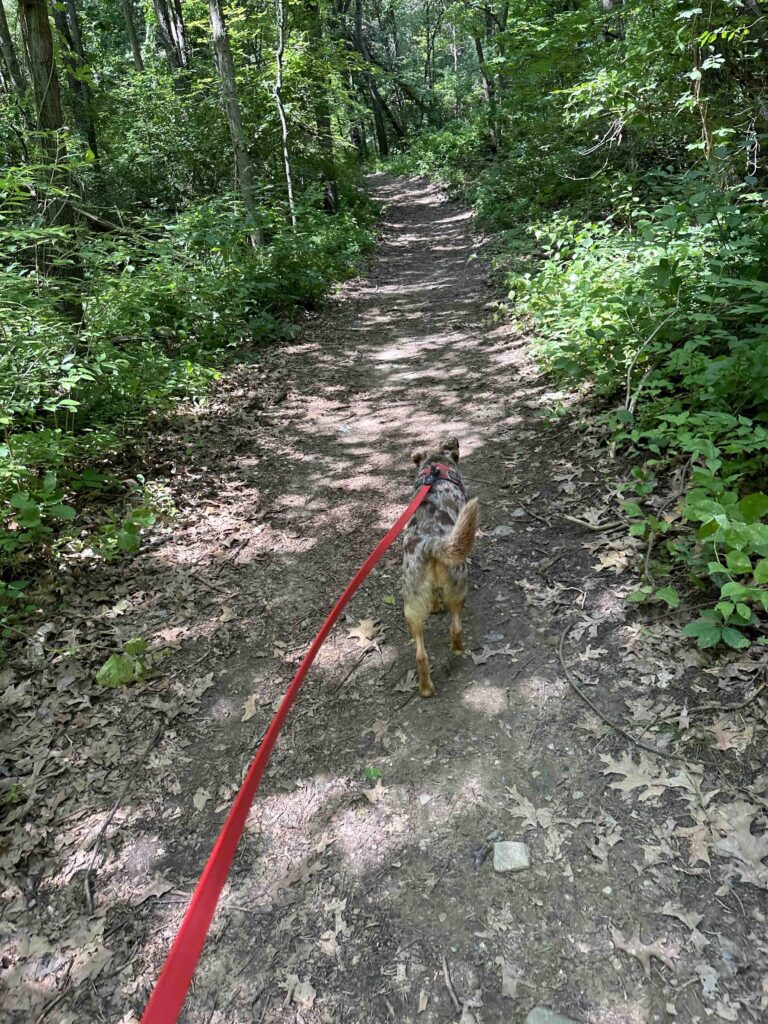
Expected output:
(364, 888)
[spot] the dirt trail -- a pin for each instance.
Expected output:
(349, 897)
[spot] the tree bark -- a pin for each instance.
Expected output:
(57, 209)
(489, 92)
(378, 114)
(9, 55)
(172, 32)
(323, 118)
(133, 38)
(73, 57)
(282, 26)
(226, 69)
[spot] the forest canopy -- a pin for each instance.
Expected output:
(180, 177)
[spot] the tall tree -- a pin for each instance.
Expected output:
(243, 166)
(172, 32)
(282, 25)
(73, 57)
(323, 114)
(8, 51)
(373, 93)
(133, 36)
(57, 207)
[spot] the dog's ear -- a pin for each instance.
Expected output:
(417, 457)
(451, 447)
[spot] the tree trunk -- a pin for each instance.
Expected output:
(172, 33)
(9, 55)
(73, 57)
(489, 93)
(226, 69)
(57, 209)
(278, 90)
(378, 113)
(133, 38)
(323, 118)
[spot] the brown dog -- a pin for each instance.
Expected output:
(438, 541)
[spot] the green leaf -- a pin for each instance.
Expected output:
(735, 638)
(632, 508)
(372, 772)
(744, 611)
(638, 596)
(753, 507)
(725, 608)
(738, 562)
(761, 571)
(388, 599)
(637, 530)
(135, 646)
(669, 595)
(117, 670)
(706, 634)
(60, 511)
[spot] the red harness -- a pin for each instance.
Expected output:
(439, 471)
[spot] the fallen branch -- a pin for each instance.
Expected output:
(601, 715)
(449, 986)
(594, 527)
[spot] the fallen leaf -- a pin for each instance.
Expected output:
(375, 794)
(250, 706)
(157, 887)
(423, 1000)
(644, 952)
(689, 917)
(201, 798)
(366, 631)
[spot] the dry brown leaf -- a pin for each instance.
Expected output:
(643, 952)
(377, 793)
(643, 776)
(366, 631)
(689, 917)
(201, 798)
(250, 706)
(157, 887)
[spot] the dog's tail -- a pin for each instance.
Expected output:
(456, 548)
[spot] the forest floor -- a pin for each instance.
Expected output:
(364, 888)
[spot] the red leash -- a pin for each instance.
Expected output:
(172, 985)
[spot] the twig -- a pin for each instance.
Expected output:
(95, 842)
(49, 1006)
(594, 527)
(535, 515)
(609, 721)
(718, 706)
(449, 986)
(352, 671)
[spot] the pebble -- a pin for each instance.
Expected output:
(541, 1015)
(509, 856)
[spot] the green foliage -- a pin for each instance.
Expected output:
(631, 213)
(132, 666)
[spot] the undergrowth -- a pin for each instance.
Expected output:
(167, 303)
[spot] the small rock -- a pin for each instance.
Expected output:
(511, 857)
(541, 1015)
(502, 531)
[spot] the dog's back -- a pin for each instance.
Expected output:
(437, 544)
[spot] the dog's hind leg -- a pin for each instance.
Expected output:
(455, 603)
(416, 620)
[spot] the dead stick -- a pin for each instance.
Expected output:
(717, 706)
(609, 721)
(594, 527)
(449, 986)
(96, 841)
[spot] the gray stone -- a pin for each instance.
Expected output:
(511, 857)
(541, 1015)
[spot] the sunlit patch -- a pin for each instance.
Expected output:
(537, 687)
(486, 699)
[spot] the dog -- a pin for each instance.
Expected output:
(437, 543)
